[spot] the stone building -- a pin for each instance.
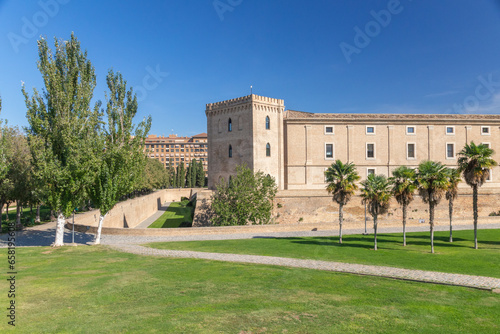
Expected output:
(297, 147)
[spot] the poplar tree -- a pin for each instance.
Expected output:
(189, 176)
(172, 175)
(63, 131)
(181, 175)
(122, 160)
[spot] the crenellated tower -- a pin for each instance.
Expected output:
(246, 130)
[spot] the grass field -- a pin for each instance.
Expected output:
(96, 290)
(176, 214)
(456, 257)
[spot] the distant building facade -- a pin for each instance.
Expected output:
(173, 150)
(297, 147)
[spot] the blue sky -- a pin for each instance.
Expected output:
(420, 56)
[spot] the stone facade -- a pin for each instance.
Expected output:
(304, 144)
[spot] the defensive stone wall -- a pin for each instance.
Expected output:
(130, 213)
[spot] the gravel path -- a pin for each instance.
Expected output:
(479, 282)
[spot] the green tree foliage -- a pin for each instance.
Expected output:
(433, 181)
(474, 163)
(341, 179)
(181, 175)
(156, 176)
(404, 184)
(376, 193)
(189, 175)
(194, 172)
(63, 132)
(452, 193)
(248, 199)
(172, 175)
(122, 160)
(200, 175)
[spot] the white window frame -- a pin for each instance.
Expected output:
(414, 130)
(368, 171)
(454, 152)
(446, 130)
(329, 133)
(374, 152)
(486, 143)
(370, 133)
(333, 151)
(485, 127)
(414, 151)
(490, 178)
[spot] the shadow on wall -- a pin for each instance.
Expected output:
(204, 213)
(158, 203)
(125, 224)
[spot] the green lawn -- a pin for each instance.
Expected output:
(96, 290)
(176, 214)
(456, 257)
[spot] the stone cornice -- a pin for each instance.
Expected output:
(244, 103)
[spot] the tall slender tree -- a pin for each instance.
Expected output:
(63, 127)
(122, 159)
(432, 184)
(200, 177)
(452, 193)
(172, 175)
(341, 179)
(181, 175)
(376, 193)
(403, 182)
(194, 172)
(474, 163)
(189, 175)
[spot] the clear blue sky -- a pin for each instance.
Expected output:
(432, 57)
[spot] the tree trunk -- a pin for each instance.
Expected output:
(431, 223)
(99, 229)
(52, 217)
(7, 213)
(37, 219)
(450, 211)
(18, 213)
(375, 220)
(474, 208)
(1, 213)
(341, 220)
(405, 209)
(59, 231)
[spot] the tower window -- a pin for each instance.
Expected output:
(229, 125)
(230, 151)
(268, 150)
(268, 123)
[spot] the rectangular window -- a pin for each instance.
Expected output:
(485, 130)
(328, 129)
(450, 130)
(370, 130)
(410, 130)
(410, 151)
(370, 150)
(450, 150)
(328, 151)
(370, 171)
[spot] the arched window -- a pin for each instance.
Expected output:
(268, 150)
(268, 123)
(229, 125)
(230, 151)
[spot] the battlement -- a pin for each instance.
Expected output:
(245, 100)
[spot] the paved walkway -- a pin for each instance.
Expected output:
(479, 282)
(155, 216)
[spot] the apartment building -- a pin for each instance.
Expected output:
(173, 150)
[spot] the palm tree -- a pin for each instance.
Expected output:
(376, 193)
(341, 179)
(475, 162)
(452, 193)
(403, 186)
(432, 183)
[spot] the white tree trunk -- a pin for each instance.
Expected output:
(59, 231)
(99, 229)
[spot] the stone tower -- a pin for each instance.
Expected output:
(246, 130)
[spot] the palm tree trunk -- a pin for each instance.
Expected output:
(375, 220)
(450, 211)
(341, 220)
(474, 208)
(431, 222)
(405, 209)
